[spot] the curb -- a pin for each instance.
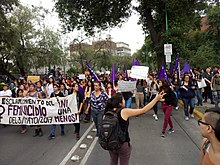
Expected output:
(196, 112)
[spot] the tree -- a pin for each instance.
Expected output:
(30, 45)
(6, 32)
(95, 15)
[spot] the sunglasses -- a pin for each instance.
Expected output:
(204, 123)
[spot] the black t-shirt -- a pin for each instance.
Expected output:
(79, 99)
(124, 126)
(60, 94)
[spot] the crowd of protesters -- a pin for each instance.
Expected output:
(92, 95)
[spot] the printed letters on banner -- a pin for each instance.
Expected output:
(31, 111)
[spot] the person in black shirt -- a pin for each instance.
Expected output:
(57, 94)
(79, 99)
(167, 105)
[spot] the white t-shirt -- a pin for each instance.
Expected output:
(7, 93)
(49, 89)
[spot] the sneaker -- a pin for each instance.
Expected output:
(171, 131)
(163, 135)
(154, 115)
(186, 118)
(156, 118)
(51, 137)
(192, 116)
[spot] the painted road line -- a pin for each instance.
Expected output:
(84, 160)
(65, 160)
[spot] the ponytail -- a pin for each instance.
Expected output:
(114, 102)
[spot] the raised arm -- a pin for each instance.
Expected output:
(127, 112)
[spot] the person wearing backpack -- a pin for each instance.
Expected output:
(121, 142)
(210, 130)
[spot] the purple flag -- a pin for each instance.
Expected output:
(171, 69)
(113, 74)
(162, 74)
(92, 73)
(126, 73)
(133, 63)
(177, 65)
(137, 63)
(186, 68)
(81, 91)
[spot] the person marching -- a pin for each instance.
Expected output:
(154, 87)
(167, 105)
(115, 103)
(56, 93)
(33, 93)
(187, 90)
(79, 99)
(97, 103)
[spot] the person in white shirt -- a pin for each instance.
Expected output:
(5, 92)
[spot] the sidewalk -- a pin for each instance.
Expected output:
(199, 110)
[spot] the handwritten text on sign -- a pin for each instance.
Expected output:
(139, 72)
(126, 86)
(31, 111)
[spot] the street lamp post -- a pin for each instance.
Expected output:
(167, 29)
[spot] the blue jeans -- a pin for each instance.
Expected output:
(97, 118)
(199, 96)
(128, 102)
(53, 129)
(177, 93)
(188, 102)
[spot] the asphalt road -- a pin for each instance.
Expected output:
(148, 148)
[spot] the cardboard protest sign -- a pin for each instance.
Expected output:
(33, 79)
(139, 72)
(126, 86)
(31, 111)
(82, 76)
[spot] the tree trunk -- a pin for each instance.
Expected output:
(155, 38)
(3, 71)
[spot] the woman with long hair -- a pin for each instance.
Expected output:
(116, 103)
(97, 103)
(87, 94)
(20, 95)
(154, 87)
(167, 105)
(187, 90)
(176, 85)
(139, 96)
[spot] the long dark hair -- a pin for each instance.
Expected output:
(165, 85)
(114, 102)
(19, 90)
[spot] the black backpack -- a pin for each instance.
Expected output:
(111, 135)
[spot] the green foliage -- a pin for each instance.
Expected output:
(205, 56)
(92, 14)
(26, 45)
